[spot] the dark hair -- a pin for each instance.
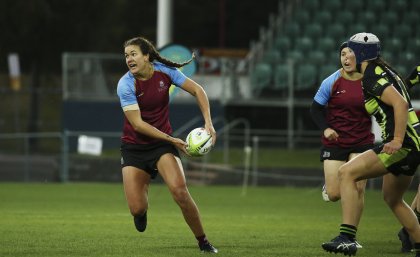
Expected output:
(146, 47)
(395, 74)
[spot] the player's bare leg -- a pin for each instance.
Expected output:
(171, 170)
(136, 185)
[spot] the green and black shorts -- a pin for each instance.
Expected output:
(405, 161)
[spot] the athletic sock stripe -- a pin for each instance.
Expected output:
(348, 229)
(351, 232)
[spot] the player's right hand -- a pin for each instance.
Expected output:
(392, 147)
(180, 144)
(330, 134)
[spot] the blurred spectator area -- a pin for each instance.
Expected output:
(307, 33)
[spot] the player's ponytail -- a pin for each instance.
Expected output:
(395, 75)
(163, 60)
(147, 47)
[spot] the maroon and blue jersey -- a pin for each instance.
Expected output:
(152, 96)
(345, 112)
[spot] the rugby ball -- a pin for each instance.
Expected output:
(199, 142)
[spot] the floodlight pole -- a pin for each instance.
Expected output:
(164, 23)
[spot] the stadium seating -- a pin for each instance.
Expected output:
(388, 56)
(403, 31)
(295, 55)
(310, 37)
(306, 76)
(325, 71)
(292, 30)
(414, 5)
(302, 16)
(389, 18)
(393, 45)
(323, 17)
(337, 32)
(413, 46)
(367, 17)
(272, 57)
(376, 5)
(356, 28)
(345, 17)
(261, 77)
(317, 57)
(310, 5)
(313, 30)
(401, 69)
(326, 44)
(408, 59)
(282, 44)
(411, 18)
(304, 45)
(381, 30)
(399, 6)
(354, 6)
(334, 56)
(332, 5)
(281, 76)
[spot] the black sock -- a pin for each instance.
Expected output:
(140, 221)
(348, 230)
(202, 239)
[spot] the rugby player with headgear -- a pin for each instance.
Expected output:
(396, 159)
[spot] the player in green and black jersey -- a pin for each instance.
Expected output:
(396, 159)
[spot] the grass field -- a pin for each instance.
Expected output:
(93, 220)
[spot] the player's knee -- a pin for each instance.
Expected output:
(334, 196)
(345, 173)
(180, 195)
(390, 199)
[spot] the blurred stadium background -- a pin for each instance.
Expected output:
(260, 64)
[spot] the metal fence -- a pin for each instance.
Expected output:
(45, 157)
(54, 157)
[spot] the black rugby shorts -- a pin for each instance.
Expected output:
(145, 157)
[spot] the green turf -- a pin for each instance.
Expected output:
(93, 220)
(272, 157)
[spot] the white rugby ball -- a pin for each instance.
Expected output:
(198, 142)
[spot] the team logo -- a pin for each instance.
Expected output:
(405, 167)
(122, 161)
(162, 86)
(326, 154)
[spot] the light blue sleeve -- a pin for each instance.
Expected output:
(177, 77)
(323, 94)
(126, 90)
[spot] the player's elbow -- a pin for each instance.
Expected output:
(138, 126)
